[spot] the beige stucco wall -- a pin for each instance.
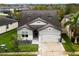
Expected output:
(12, 26)
(2, 29)
(12, 10)
(65, 29)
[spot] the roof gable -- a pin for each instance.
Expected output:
(25, 26)
(38, 21)
(48, 26)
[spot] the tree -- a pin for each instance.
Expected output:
(73, 25)
(72, 8)
(67, 9)
(61, 13)
(40, 7)
(16, 14)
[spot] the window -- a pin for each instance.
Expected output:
(24, 35)
(49, 29)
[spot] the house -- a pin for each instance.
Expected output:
(10, 7)
(67, 28)
(7, 24)
(3, 14)
(39, 26)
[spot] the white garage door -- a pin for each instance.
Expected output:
(50, 38)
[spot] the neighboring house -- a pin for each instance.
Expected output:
(3, 14)
(39, 26)
(9, 8)
(7, 24)
(67, 28)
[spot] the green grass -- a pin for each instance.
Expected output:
(6, 38)
(70, 52)
(75, 47)
(68, 48)
(73, 54)
(18, 55)
(28, 48)
(68, 44)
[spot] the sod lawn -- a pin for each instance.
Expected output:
(18, 54)
(7, 40)
(28, 48)
(69, 46)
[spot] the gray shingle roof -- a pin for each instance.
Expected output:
(47, 15)
(6, 21)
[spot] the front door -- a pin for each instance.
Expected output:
(35, 34)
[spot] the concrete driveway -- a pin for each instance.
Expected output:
(51, 49)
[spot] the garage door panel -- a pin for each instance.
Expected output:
(49, 38)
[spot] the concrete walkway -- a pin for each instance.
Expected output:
(51, 49)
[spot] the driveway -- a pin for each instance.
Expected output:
(51, 49)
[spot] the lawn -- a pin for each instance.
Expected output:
(75, 47)
(28, 48)
(7, 39)
(72, 54)
(18, 55)
(69, 46)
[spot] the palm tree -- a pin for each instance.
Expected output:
(73, 19)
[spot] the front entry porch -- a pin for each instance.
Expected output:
(35, 37)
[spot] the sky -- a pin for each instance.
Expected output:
(37, 1)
